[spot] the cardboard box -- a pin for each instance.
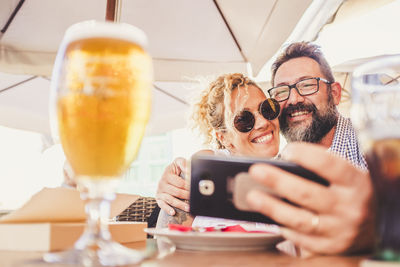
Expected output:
(54, 218)
(60, 236)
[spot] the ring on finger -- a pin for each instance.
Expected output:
(315, 220)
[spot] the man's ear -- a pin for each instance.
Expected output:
(224, 140)
(336, 91)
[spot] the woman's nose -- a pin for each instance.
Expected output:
(260, 121)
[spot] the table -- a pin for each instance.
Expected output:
(199, 258)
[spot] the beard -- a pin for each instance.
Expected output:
(322, 122)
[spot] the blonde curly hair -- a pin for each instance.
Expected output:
(209, 113)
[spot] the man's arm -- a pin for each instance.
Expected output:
(173, 194)
(172, 190)
(329, 220)
(180, 217)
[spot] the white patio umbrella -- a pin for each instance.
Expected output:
(187, 38)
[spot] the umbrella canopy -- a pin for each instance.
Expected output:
(187, 39)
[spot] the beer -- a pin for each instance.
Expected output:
(104, 105)
(384, 164)
(100, 105)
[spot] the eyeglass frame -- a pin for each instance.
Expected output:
(297, 89)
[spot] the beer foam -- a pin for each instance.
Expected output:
(114, 30)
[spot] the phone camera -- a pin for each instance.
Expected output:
(206, 187)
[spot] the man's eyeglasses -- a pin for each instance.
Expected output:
(304, 87)
(244, 121)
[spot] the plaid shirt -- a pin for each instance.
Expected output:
(345, 143)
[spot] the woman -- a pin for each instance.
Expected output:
(235, 117)
(249, 126)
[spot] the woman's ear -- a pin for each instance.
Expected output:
(224, 140)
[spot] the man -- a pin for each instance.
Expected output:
(308, 94)
(337, 219)
(330, 220)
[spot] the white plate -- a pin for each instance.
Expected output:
(218, 241)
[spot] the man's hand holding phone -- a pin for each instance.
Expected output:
(219, 185)
(328, 220)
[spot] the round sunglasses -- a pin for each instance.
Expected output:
(244, 121)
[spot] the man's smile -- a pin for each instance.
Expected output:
(298, 112)
(299, 115)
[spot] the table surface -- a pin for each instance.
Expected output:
(200, 258)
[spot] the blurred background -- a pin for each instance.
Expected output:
(191, 42)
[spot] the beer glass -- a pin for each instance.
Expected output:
(376, 116)
(100, 104)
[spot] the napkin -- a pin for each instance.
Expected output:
(231, 228)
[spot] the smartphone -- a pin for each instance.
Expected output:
(213, 180)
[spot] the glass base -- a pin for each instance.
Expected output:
(103, 254)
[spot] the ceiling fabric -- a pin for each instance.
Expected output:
(189, 40)
(186, 37)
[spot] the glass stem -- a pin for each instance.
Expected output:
(97, 197)
(97, 212)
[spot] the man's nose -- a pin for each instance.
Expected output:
(294, 97)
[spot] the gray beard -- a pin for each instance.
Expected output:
(321, 124)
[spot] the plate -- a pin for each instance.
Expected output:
(218, 241)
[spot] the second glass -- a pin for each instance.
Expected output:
(376, 116)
